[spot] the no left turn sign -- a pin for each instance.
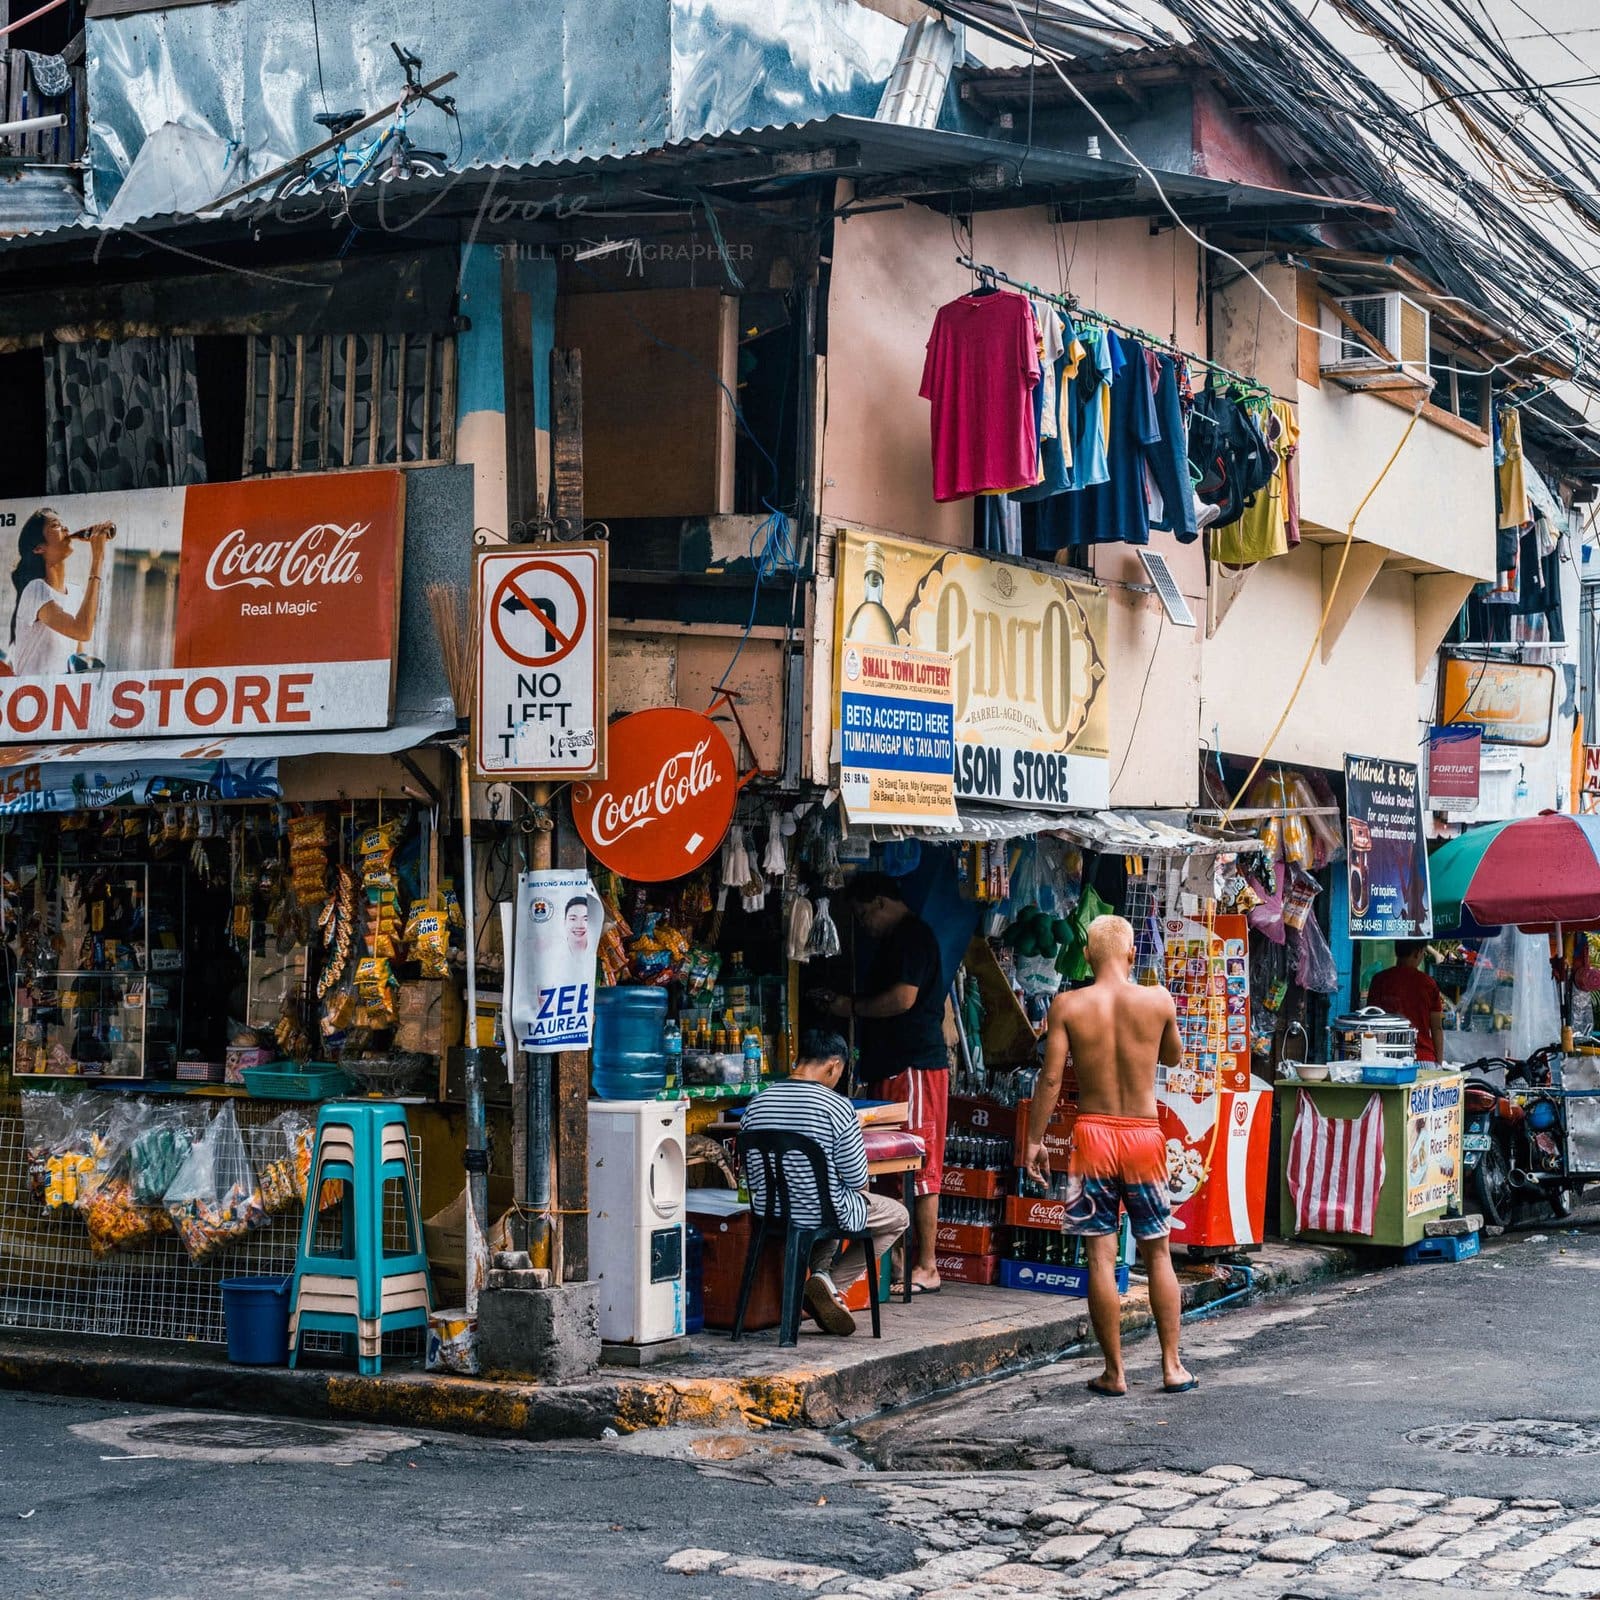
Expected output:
(540, 705)
(538, 613)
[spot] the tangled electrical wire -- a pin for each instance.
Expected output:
(1468, 216)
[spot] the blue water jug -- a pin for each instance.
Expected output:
(629, 1063)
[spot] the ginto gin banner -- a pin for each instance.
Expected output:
(219, 608)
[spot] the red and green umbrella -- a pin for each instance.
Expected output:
(1536, 873)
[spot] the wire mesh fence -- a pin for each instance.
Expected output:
(50, 1280)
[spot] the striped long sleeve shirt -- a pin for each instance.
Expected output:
(797, 1106)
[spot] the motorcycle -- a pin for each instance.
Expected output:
(1515, 1144)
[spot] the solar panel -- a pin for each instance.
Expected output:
(1165, 585)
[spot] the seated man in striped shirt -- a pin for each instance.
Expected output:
(806, 1103)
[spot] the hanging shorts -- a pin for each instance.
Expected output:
(1117, 1164)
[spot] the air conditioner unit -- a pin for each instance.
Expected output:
(1399, 324)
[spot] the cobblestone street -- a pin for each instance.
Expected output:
(1148, 1535)
(1427, 1432)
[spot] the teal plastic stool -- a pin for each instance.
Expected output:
(360, 1290)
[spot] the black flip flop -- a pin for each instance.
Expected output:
(916, 1289)
(1180, 1388)
(1105, 1393)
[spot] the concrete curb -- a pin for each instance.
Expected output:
(139, 1372)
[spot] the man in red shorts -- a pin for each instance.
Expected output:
(1115, 1031)
(900, 1035)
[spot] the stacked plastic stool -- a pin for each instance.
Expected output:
(360, 1290)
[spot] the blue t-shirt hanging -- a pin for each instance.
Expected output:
(1118, 510)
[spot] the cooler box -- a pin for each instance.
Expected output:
(725, 1222)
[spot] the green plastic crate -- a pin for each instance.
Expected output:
(284, 1080)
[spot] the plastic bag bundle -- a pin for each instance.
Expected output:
(47, 1123)
(824, 935)
(1315, 969)
(281, 1180)
(736, 870)
(159, 1152)
(114, 1218)
(797, 936)
(774, 860)
(214, 1201)
(76, 1150)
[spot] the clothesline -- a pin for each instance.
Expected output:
(1071, 305)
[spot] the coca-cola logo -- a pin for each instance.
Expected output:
(667, 798)
(686, 774)
(325, 554)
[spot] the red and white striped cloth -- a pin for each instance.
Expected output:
(1336, 1168)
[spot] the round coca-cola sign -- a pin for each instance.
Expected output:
(667, 799)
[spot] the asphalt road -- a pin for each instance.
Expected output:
(96, 1504)
(1334, 1390)
(1332, 1387)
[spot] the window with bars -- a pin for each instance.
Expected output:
(319, 402)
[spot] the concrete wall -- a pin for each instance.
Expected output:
(892, 271)
(1364, 701)
(1437, 503)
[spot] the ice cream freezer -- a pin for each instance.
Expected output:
(1369, 1163)
(1217, 1164)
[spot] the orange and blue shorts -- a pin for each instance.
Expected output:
(1117, 1164)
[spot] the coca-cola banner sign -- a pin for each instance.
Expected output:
(219, 608)
(668, 797)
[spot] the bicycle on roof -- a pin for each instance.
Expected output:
(387, 155)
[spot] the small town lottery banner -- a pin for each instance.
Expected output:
(897, 735)
(540, 704)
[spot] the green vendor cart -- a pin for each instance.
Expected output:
(1369, 1163)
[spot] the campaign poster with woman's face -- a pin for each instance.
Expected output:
(555, 950)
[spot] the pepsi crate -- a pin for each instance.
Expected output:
(1039, 1278)
(1449, 1247)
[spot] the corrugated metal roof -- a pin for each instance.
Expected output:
(37, 199)
(1001, 170)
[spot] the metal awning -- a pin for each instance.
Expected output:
(1122, 833)
(241, 766)
(1146, 833)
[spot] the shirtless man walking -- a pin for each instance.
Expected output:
(1114, 1032)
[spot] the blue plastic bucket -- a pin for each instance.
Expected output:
(256, 1311)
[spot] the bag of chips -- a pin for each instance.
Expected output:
(214, 1201)
(114, 1218)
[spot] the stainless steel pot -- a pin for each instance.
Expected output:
(1395, 1037)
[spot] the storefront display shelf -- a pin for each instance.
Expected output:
(81, 1024)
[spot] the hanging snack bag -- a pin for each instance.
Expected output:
(428, 940)
(47, 1121)
(214, 1201)
(160, 1150)
(308, 857)
(114, 1218)
(375, 848)
(78, 1153)
(282, 1182)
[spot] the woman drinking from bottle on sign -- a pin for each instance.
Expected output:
(51, 618)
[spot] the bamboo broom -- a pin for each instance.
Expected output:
(455, 626)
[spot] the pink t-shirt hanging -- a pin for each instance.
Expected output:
(980, 372)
